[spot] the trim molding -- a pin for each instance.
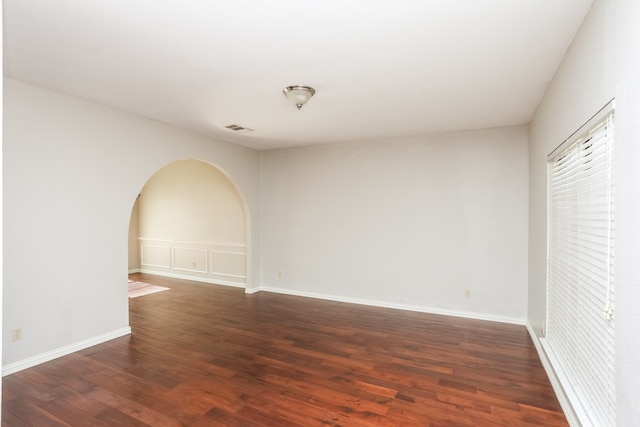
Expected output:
(563, 399)
(213, 259)
(205, 271)
(12, 368)
(186, 242)
(377, 303)
(211, 281)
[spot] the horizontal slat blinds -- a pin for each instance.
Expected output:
(580, 282)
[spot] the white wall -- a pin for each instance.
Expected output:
(191, 224)
(72, 171)
(602, 63)
(410, 222)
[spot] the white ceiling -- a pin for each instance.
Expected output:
(380, 68)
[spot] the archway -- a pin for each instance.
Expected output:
(190, 221)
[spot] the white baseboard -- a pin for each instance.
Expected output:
(376, 303)
(563, 399)
(194, 278)
(63, 351)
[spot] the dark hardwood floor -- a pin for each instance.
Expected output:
(206, 355)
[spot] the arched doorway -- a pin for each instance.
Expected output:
(190, 221)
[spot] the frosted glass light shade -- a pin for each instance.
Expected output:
(298, 95)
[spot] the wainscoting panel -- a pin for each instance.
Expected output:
(228, 263)
(211, 262)
(155, 256)
(194, 260)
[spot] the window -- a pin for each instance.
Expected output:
(580, 275)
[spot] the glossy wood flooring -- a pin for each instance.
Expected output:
(206, 355)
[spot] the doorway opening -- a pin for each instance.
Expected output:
(189, 221)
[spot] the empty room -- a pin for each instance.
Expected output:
(364, 213)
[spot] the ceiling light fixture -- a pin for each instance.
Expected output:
(298, 95)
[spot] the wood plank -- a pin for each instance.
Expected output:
(208, 355)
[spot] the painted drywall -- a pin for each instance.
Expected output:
(602, 63)
(412, 222)
(72, 171)
(191, 201)
(191, 224)
(134, 251)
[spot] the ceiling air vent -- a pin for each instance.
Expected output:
(237, 128)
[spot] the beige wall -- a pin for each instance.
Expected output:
(191, 224)
(190, 200)
(134, 251)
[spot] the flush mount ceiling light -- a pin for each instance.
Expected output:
(298, 95)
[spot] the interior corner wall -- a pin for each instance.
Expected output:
(602, 63)
(409, 223)
(72, 171)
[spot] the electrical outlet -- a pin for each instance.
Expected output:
(16, 334)
(467, 293)
(279, 274)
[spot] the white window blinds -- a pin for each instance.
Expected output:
(580, 275)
